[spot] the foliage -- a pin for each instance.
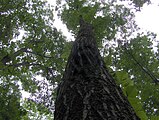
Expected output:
(130, 57)
(139, 3)
(33, 54)
(131, 92)
(29, 47)
(139, 60)
(35, 111)
(106, 18)
(10, 102)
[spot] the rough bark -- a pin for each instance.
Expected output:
(87, 90)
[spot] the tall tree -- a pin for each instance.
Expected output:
(87, 91)
(31, 46)
(127, 52)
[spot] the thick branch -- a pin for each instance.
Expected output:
(9, 58)
(25, 64)
(145, 69)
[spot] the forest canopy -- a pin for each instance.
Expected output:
(33, 53)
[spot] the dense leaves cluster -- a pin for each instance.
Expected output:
(137, 65)
(30, 46)
(139, 60)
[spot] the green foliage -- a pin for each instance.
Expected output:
(10, 102)
(154, 117)
(31, 46)
(131, 92)
(140, 3)
(108, 19)
(35, 111)
(138, 60)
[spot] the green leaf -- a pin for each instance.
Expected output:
(142, 115)
(131, 91)
(154, 117)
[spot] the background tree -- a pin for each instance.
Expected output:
(29, 47)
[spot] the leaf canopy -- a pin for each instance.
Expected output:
(33, 54)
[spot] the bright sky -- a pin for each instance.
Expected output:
(148, 18)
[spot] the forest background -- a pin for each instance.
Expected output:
(34, 52)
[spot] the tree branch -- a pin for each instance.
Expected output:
(145, 69)
(25, 64)
(8, 58)
(27, 51)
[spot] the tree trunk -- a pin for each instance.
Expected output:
(87, 90)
